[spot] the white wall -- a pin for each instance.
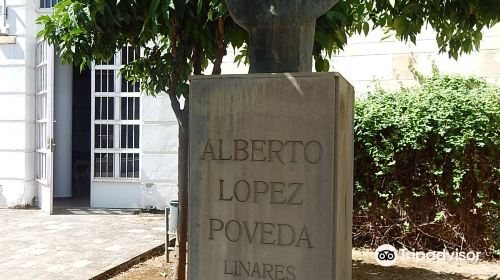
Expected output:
(366, 59)
(159, 143)
(158, 183)
(17, 69)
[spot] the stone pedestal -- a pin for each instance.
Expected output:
(271, 162)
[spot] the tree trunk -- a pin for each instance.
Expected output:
(183, 169)
(183, 165)
(221, 47)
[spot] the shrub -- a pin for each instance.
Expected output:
(427, 166)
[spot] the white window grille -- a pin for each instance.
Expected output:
(47, 4)
(116, 119)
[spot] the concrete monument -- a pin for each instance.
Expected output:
(271, 158)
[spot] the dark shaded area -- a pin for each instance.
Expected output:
(81, 136)
(68, 208)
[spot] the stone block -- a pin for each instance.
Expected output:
(375, 67)
(16, 20)
(160, 137)
(13, 165)
(12, 79)
(16, 193)
(158, 195)
(159, 167)
(271, 160)
(157, 109)
(113, 195)
(12, 107)
(15, 133)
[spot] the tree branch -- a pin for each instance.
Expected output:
(176, 107)
(197, 59)
(174, 79)
(221, 47)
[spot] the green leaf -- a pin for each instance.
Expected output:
(341, 35)
(199, 6)
(366, 28)
(319, 64)
(153, 8)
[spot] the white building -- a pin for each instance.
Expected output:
(366, 59)
(85, 135)
(94, 137)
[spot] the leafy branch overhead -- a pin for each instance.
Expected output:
(181, 37)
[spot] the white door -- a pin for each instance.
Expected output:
(44, 131)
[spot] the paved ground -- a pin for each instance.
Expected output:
(76, 244)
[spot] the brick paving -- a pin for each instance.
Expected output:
(75, 244)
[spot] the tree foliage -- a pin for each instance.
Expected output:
(181, 37)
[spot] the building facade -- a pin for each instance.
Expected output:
(386, 61)
(95, 138)
(90, 136)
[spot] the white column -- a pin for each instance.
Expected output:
(63, 103)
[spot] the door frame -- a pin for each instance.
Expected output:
(44, 124)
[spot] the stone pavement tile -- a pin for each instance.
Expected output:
(71, 275)
(12, 263)
(57, 254)
(113, 248)
(13, 274)
(159, 228)
(37, 252)
(79, 212)
(4, 259)
(55, 268)
(27, 264)
(26, 225)
(81, 263)
(73, 246)
(45, 276)
(137, 231)
(40, 246)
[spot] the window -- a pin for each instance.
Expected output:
(47, 4)
(103, 136)
(104, 80)
(42, 142)
(104, 163)
(129, 165)
(130, 108)
(129, 54)
(116, 118)
(104, 108)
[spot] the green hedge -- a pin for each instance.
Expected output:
(427, 166)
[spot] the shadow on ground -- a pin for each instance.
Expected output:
(368, 271)
(94, 211)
